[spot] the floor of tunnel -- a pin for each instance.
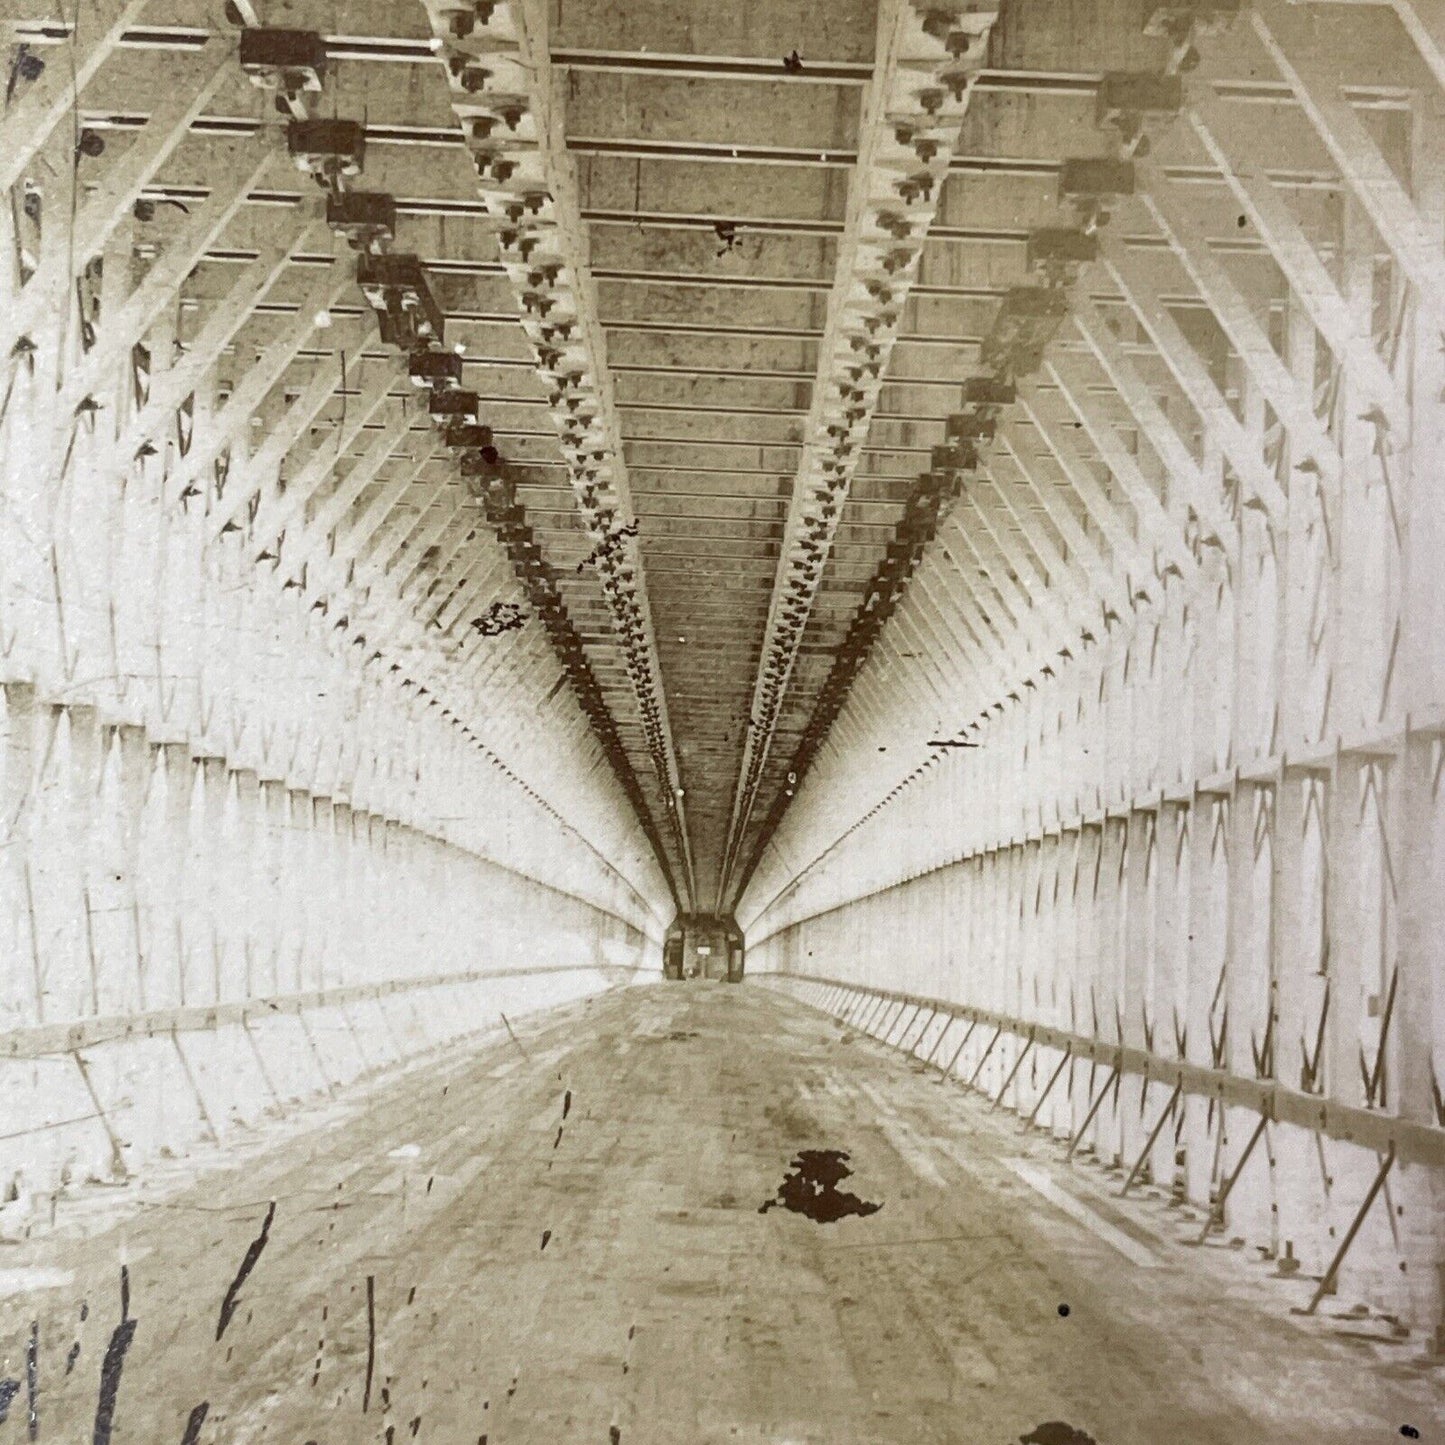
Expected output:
(630, 1224)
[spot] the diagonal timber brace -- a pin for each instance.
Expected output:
(175, 383)
(157, 289)
(46, 291)
(32, 119)
(1391, 209)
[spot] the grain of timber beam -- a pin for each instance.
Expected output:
(390, 631)
(402, 565)
(330, 511)
(1014, 590)
(256, 480)
(1423, 20)
(391, 615)
(253, 481)
(372, 541)
(1041, 623)
(493, 673)
(998, 653)
(512, 117)
(488, 586)
(428, 560)
(978, 587)
(1366, 171)
(912, 115)
(940, 649)
(1156, 527)
(496, 580)
(965, 625)
(1084, 574)
(47, 101)
(512, 714)
(1425, 23)
(358, 536)
(529, 654)
(919, 679)
(467, 547)
(48, 289)
(940, 581)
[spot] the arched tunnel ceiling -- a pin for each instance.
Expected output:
(708, 181)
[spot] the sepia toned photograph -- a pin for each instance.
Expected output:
(722, 722)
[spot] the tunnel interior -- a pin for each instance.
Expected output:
(722, 722)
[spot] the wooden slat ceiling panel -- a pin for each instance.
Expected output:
(713, 277)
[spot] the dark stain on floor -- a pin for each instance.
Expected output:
(194, 1423)
(1055, 1432)
(113, 1364)
(248, 1263)
(812, 1189)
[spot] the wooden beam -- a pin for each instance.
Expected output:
(527, 181)
(1414, 245)
(47, 291)
(31, 120)
(889, 213)
(1193, 377)
(1306, 272)
(1237, 319)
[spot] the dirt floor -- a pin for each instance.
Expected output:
(634, 1226)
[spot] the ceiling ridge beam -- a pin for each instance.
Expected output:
(912, 118)
(911, 536)
(538, 583)
(512, 119)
